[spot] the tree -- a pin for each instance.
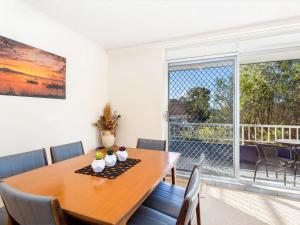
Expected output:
(196, 101)
(222, 101)
(270, 93)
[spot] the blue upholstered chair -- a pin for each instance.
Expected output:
(168, 198)
(66, 151)
(3, 216)
(176, 210)
(151, 144)
(15, 164)
(19, 163)
(28, 209)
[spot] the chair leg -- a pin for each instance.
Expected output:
(284, 179)
(173, 172)
(255, 172)
(276, 174)
(295, 174)
(11, 221)
(198, 212)
(267, 171)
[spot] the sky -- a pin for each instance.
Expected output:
(181, 81)
(31, 61)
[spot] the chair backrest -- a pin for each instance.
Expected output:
(297, 152)
(22, 162)
(267, 151)
(28, 209)
(67, 151)
(191, 199)
(248, 154)
(151, 144)
(284, 152)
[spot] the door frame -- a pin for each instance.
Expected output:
(236, 102)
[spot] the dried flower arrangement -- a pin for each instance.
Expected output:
(109, 120)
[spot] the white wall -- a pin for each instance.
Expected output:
(136, 91)
(30, 123)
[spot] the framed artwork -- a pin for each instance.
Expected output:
(29, 71)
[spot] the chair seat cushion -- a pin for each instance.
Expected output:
(3, 216)
(167, 199)
(148, 216)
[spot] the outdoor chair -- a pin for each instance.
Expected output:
(268, 157)
(296, 164)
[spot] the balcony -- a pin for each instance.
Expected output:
(211, 146)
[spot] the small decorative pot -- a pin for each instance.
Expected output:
(110, 160)
(108, 138)
(122, 154)
(98, 165)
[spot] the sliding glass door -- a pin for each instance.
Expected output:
(201, 121)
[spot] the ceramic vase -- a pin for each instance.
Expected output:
(108, 139)
(110, 160)
(122, 155)
(98, 165)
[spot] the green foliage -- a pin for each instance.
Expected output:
(270, 93)
(110, 152)
(197, 104)
(222, 101)
(98, 155)
(209, 134)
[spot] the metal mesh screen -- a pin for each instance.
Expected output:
(201, 115)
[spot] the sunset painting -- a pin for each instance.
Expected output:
(29, 71)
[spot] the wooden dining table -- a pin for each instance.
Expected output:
(95, 199)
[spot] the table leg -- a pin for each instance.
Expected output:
(173, 172)
(11, 221)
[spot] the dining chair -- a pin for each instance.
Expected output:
(3, 216)
(28, 209)
(151, 144)
(188, 209)
(268, 157)
(168, 198)
(18, 163)
(66, 151)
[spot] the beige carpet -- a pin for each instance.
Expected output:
(222, 206)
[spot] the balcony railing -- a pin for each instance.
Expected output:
(224, 132)
(267, 133)
(211, 144)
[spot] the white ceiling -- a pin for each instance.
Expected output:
(116, 24)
